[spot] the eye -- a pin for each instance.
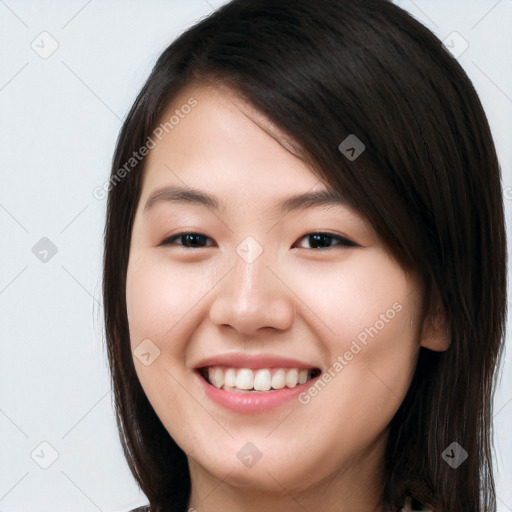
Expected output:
(323, 241)
(188, 240)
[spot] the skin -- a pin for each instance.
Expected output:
(292, 300)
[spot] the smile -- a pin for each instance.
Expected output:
(250, 380)
(256, 389)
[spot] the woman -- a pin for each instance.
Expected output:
(304, 271)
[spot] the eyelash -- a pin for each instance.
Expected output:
(344, 242)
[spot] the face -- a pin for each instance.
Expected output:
(241, 288)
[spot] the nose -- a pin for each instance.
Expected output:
(252, 297)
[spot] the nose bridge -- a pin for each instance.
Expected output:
(251, 297)
(250, 281)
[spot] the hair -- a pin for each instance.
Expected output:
(428, 181)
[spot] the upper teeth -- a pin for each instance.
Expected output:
(259, 380)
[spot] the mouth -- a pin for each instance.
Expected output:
(248, 383)
(256, 380)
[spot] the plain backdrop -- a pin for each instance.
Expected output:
(69, 72)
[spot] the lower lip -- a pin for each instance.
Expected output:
(252, 402)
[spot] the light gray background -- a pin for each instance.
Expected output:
(60, 118)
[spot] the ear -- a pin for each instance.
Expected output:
(435, 333)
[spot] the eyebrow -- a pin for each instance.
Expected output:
(188, 195)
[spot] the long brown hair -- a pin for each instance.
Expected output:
(428, 181)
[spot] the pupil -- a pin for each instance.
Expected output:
(319, 240)
(192, 239)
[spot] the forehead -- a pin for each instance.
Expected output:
(224, 154)
(223, 140)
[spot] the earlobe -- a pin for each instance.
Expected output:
(436, 332)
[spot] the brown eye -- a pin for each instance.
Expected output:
(188, 240)
(324, 241)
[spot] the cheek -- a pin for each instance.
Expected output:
(372, 311)
(367, 313)
(160, 296)
(148, 298)
(162, 305)
(365, 297)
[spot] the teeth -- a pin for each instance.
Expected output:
(244, 379)
(278, 379)
(216, 376)
(291, 378)
(264, 379)
(230, 377)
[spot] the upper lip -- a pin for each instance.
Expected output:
(253, 361)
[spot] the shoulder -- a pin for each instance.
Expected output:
(143, 508)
